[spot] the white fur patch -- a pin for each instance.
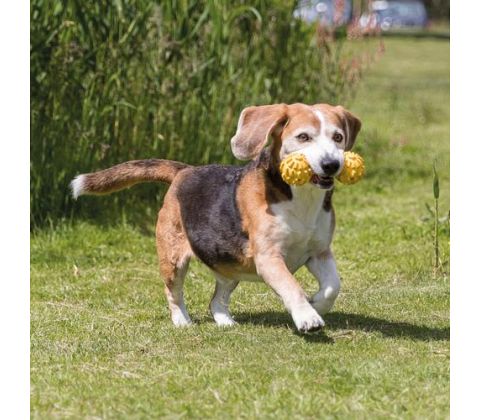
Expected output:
(222, 319)
(78, 186)
(325, 271)
(180, 317)
(221, 300)
(304, 225)
(306, 318)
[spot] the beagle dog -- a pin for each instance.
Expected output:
(246, 223)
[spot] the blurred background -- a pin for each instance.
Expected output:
(118, 80)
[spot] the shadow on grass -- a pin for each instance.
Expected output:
(348, 321)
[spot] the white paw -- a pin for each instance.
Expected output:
(307, 319)
(223, 320)
(180, 320)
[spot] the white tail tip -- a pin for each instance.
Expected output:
(77, 186)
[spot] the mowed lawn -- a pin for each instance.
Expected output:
(103, 346)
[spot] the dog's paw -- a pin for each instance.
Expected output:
(180, 320)
(307, 320)
(224, 320)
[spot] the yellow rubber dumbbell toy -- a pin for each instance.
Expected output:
(353, 168)
(295, 169)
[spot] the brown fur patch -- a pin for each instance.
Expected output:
(254, 199)
(173, 248)
(255, 125)
(339, 116)
(235, 270)
(331, 114)
(130, 173)
(300, 115)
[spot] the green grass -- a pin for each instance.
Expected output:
(102, 345)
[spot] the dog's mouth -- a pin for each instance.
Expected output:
(324, 182)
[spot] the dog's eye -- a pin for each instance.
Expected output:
(337, 137)
(303, 137)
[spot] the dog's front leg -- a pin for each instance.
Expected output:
(324, 268)
(276, 274)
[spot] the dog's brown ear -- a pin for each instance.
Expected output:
(352, 126)
(255, 125)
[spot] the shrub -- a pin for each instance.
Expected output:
(114, 81)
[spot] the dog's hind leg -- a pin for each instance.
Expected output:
(174, 254)
(221, 299)
(174, 292)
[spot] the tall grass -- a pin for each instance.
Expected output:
(119, 80)
(436, 195)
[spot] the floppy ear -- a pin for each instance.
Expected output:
(352, 126)
(255, 125)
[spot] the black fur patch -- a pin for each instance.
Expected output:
(209, 208)
(210, 213)
(327, 200)
(278, 188)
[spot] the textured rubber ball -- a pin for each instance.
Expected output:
(295, 170)
(353, 168)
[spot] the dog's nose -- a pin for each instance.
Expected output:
(330, 166)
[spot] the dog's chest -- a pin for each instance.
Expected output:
(304, 228)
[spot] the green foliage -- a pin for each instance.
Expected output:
(438, 9)
(436, 195)
(113, 81)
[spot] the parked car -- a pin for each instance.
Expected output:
(395, 14)
(326, 12)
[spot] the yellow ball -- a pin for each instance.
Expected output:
(353, 168)
(295, 170)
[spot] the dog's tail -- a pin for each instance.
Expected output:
(125, 175)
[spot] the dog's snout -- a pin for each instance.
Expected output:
(330, 166)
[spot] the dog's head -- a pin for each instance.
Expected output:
(321, 132)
